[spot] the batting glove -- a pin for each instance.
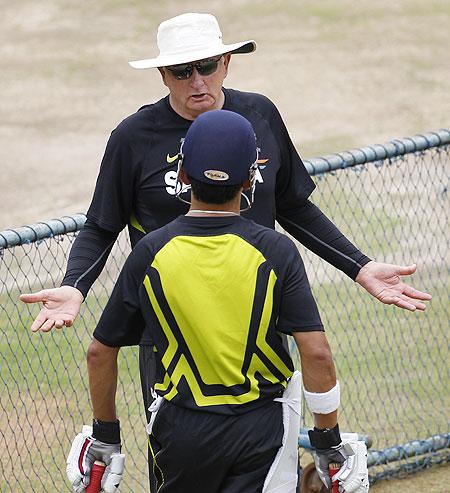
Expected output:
(94, 443)
(353, 476)
(328, 449)
(350, 453)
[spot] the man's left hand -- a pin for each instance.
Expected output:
(353, 476)
(383, 281)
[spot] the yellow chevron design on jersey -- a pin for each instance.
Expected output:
(214, 325)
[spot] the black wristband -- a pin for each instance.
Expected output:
(106, 431)
(324, 439)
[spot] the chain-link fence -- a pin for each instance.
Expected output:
(391, 200)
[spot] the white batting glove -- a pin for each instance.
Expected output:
(112, 476)
(353, 475)
(84, 452)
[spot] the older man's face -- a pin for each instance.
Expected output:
(199, 93)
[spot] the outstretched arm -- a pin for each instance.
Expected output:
(86, 261)
(312, 228)
(316, 232)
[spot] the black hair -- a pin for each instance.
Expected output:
(213, 194)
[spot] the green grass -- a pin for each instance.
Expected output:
(45, 401)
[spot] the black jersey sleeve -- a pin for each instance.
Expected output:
(122, 322)
(112, 203)
(293, 183)
(309, 225)
(298, 308)
(88, 256)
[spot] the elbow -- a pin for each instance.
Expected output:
(319, 361)
(319, 374)
(323, 358)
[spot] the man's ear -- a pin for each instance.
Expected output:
(226, 62)
(163, 75)
(246, 185)
(184, 177)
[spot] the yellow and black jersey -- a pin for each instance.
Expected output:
(216, 292)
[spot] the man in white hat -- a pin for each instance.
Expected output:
(195, 38)
(137, 183)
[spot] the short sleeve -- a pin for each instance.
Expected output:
(298, 308)
(112, 203)
(122, 322)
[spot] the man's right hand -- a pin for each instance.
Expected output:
(61, 306)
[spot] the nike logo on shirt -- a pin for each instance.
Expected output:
(171, 159)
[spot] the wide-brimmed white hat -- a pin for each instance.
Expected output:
(190, 37)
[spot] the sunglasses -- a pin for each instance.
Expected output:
(204, 67)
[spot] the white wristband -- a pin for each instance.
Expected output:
(323, 403)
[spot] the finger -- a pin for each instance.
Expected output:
(418, 304)
(416, 294)
(398, 300)
(403, 303)
(48, 325)
(33, 297)
(40, 319)
(405, 270)
(68, 322)
(59, 324)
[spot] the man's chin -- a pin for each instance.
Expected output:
(201, 104)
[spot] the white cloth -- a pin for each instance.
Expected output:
(154, 408)
(282, 475)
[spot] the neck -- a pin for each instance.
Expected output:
(230, 208)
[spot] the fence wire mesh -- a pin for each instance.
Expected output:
(392, 364)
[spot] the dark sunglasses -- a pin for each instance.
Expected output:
(185, 70)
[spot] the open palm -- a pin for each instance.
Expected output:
(384, 282)
(60, 307)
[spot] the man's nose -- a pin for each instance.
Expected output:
(197, 80)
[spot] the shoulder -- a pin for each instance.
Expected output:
(271, 243)
(251, 102)
(142, 121)
(155, 240)
(279, 243)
